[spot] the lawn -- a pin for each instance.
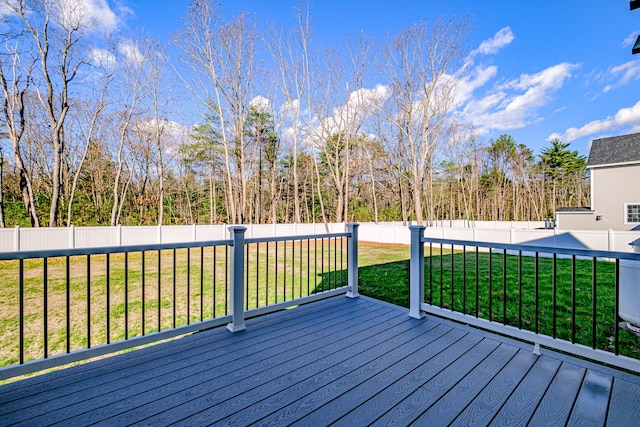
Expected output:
(185, 286)
(504, 288)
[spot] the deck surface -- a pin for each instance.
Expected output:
(341, 361)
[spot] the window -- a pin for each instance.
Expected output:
(633, 213)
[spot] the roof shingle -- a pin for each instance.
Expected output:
(613, 150)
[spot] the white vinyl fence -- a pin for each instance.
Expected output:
(522, 232)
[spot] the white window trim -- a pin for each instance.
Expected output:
(626, 214)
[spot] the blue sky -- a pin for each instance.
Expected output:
(541, 69)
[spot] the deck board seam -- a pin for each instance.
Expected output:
(157, 374)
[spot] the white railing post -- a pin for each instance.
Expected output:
(416, 272)
(352, 257)
(237, 279)
(72, 240)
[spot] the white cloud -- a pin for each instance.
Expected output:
(91, 14)
(515, 104)
(472, 81)
(102, 58)
(261, 104)
(131, 53)
(624, 117)
(630, 39)
(491, 46)
(625, 73)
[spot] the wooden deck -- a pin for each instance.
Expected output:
(341, 361)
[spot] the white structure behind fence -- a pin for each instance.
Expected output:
(514, 232)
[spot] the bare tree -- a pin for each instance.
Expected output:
(132, 88)
(57, 30)
(95, 110)
(419, 64)
(15, 86)
(222, 55)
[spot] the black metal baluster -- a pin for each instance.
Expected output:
(108, 298)
(188, 286)
(490, 284)
(21, 308)
(159, 292)
(477, 281)
(257, 273)
(430, 272)
(441, 278)
(554, 298)
(520, 289)
(266, 288)
(594, 281)
(143, 295)
(504, 286)
(331, 267)
(226, 279)
(201, 283)
(68, 302)
(616, 324)
(45, 267)
(573, 299)
(308, 266)
(537, 290)
(215, 293)
(173, 267)
(246, 277)
(88, 302)
(464, 279)
(322, 264)
(126, 295)
(293, 269)
(335, 262)
(452, 276)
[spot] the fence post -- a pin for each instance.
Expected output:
(72, 240)
(416, 272)
(16, 239)
(352, 257)
(237, 279)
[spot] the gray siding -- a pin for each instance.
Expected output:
(612, 188)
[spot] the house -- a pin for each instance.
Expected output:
(614, 164)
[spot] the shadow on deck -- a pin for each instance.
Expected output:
(339, 361)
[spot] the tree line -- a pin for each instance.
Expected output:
(286, 131)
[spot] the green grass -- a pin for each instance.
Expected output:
(275, 274)
(158, 296)
(510, 298)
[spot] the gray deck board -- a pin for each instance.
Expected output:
(181, 374)
(489, 401)
(591, 406)
(624, 409)
(288, 365)
(341, 361)
(520, 407)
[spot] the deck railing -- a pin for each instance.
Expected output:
(63, 306)
(565, 299)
